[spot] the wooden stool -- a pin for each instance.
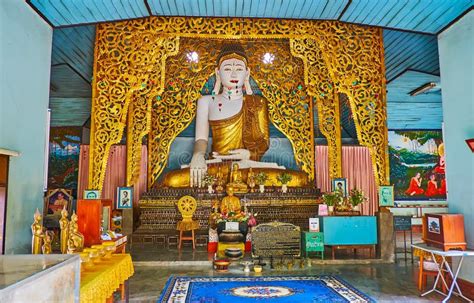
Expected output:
(423, 274)
(185, 238)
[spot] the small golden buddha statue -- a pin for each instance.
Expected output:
(230, 203)
(48, 238)
(64, 226)
(236, 181)
(38, 235)
(251, 179)
(75, 241)
(220, 180)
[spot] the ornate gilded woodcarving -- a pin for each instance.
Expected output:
(127, 71)
(139, 117)
(319, 86)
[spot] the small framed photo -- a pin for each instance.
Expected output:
(314, 224)
(124, 197)
(323, 210)
(433, 225)
(55, 201)
(386, 195)
(340, 185)
(91, 194)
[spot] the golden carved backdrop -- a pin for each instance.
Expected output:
(139, 65)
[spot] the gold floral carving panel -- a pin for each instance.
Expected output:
(356, 66)
(127, 71)
(140, 112)
(319, 86)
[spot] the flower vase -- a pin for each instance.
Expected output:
(331, 209)
(262, 188)
(284, 188)
(356, 208)
(210, 189)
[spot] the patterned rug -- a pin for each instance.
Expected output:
(274, 289)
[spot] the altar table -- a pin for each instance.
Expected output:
(439, 258)
(99, 283)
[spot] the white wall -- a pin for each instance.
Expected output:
(456, 52)
(25, 60)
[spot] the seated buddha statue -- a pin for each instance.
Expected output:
(230, 203)
(239, 126)
(236, 180)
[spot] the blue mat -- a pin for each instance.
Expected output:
(274, 289)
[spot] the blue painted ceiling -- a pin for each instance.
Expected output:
(410, 27)
(422, 15)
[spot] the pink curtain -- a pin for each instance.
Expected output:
(115, 174)
(356, 168)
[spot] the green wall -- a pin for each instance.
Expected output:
(25, 59)
(456, 51)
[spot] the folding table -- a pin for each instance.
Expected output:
(444, 264)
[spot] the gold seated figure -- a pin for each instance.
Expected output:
(230, 203)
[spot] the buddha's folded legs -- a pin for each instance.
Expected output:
(180, 178)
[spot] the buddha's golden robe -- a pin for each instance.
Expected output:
(249, 130)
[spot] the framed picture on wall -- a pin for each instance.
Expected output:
(124, 197)
(386, 195)
(91, 194)
(55, 201)
(340, 185)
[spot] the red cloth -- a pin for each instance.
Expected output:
(212, 247)
(248, 246)
(414, 188)
(432, 189)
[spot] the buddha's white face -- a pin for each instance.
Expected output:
(233, 73)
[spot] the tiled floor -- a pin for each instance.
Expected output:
(383, 282)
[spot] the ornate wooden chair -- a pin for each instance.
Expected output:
(187, 206)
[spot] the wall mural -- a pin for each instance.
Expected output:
(63, 165)
(417, 164)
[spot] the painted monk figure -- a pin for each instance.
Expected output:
(415, 186)
(238, 122)
(432, 189)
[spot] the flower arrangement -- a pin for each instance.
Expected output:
(357, 197)
(209, 180)
(284, 178)
(233, 217)
(261, 177)
(332, 198)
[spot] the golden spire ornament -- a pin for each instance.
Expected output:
(38, 235)
(75, 241)
(64, 226)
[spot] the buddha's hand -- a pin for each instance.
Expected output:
(235, 154)
(197, 169)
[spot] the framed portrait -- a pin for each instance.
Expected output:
(91, 194)
(55, 201)
(386, 195)
(124, 197)
(340, 185)
(433, 225)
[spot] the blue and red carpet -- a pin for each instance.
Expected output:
(274, 289)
